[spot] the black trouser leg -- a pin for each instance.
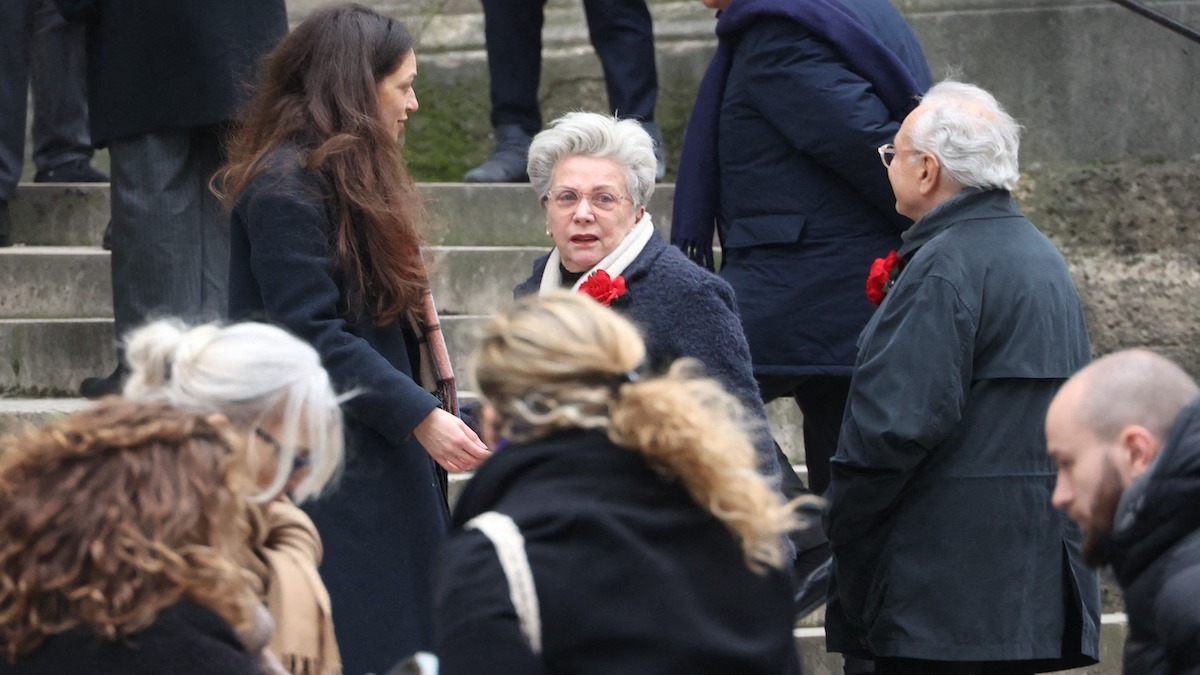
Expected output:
(513, 31)
(623, 36)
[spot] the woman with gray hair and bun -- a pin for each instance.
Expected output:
(272, 389)
(594, 175)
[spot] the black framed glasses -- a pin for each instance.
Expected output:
(303, 456)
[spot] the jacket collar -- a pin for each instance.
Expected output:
(568, 455)
(1159, 508)
(970, 204)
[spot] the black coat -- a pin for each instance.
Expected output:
(185, 639)
(1155, 552)
(945, 544)
(155, 65)
(632, 576)
(805, 205)
(684, 311)
(388, 514)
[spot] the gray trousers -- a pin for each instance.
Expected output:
(170, 234)
(39, 48)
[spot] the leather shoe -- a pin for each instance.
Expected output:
(5, 225)
(507, 163)
(655, 132)
(78, 171)
(99, 387)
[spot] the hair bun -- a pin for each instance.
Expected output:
(156, 349)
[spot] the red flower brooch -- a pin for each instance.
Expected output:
(884, 272)
(603, 288)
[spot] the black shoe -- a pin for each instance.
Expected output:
(811, 591)
(78, 171)
(99, 387)
(655, 132)
(5, 225)
(507, 163)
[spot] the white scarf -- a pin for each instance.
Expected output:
(614, 263)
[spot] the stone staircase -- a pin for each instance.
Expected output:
(1111, 152)
(56, 311)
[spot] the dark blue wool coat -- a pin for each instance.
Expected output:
(387, 515)
(632, 576)
(804, 203)
(945, 544)
(1155, 552)
(683, 310)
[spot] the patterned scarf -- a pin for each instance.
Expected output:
(436, 372)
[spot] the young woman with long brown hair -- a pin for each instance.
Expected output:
(325, 240)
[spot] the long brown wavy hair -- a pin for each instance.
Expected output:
(558, 361)
(319, 90)
(114, 514)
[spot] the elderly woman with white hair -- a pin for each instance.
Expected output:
(271, 388)
(594, 175)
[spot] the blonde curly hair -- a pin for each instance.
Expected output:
(114, 514)
(562, 361)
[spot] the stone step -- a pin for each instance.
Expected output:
(15, 412)
(1113, 629)
(460, 214)
(49, 357)
(1119, 293)
(55, 282)
(61, 282)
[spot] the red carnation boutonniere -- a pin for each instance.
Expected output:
(884, 272)
(603, 288)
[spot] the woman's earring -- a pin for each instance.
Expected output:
(547, 232)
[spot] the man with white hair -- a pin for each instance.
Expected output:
(1125, 434)
(948, 556)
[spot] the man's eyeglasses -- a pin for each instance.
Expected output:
(888, 152)
(568, 199)
(303, 456)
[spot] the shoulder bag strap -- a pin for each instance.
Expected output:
(510, 549)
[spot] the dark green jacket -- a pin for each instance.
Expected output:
(946, 546)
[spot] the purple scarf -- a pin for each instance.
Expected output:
(698, 183)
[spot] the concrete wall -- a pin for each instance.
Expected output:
(1090, 80)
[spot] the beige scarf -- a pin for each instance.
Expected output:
(288, 543)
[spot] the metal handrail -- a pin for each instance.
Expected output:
(1161, 19)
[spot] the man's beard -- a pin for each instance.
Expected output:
(1104, 511)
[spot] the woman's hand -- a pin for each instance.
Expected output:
(450, 442)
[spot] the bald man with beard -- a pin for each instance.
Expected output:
(1125, 435)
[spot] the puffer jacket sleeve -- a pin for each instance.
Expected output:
(1177, 615)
